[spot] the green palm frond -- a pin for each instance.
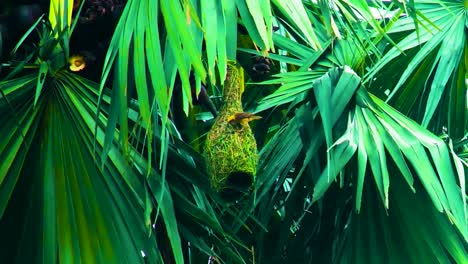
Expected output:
(93, 213)
(312, 65)
(396, 149)
(73, 210)
(174, 47)
(433, 66)
(410, 231)
(379, 130)
(96, 175)
(77, 210)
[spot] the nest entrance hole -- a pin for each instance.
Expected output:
(238, 183)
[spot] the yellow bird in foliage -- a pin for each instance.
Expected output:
(77, 63)
(242, 118)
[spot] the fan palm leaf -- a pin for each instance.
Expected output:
(396, 149)
(344, 177)
(175, 48)
(434, 69)
(81, 211)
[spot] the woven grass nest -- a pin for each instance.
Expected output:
(230, 148)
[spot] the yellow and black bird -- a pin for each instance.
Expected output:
(242, 118)
(77, 63)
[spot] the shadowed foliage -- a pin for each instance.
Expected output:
(360, 112)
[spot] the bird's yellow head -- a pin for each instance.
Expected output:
(77, 63)
(242, 118)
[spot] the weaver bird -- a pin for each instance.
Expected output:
(77, 63)
(242, 118)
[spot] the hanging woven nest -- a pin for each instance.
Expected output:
(230, 148)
